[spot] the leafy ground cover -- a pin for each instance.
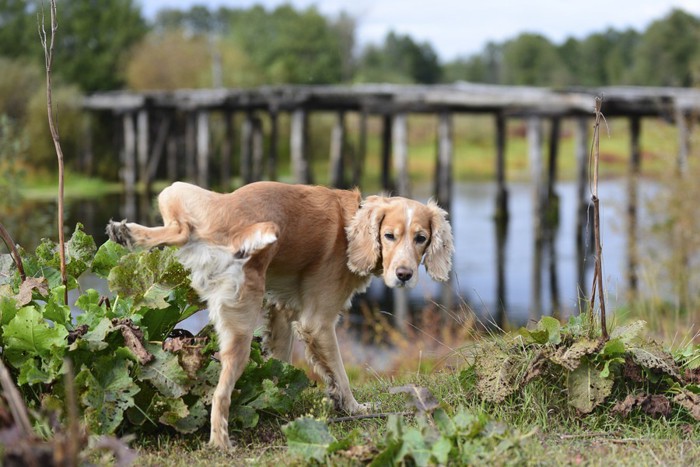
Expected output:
(553, 394)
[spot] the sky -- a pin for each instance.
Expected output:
(459, 28)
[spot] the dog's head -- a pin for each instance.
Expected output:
(391, 235)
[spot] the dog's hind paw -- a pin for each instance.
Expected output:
(119, 232)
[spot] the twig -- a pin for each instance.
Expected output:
(16, 403)
(48, 45)
(598, 275)
(366, 416)
(72, 445)
(13, 251)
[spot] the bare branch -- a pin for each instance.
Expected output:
(48, 44)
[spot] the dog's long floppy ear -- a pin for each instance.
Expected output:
(364, 248)
(438, 256)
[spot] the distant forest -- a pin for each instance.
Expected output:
(110, 45)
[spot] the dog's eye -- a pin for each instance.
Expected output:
(389, 236)
(420, 239)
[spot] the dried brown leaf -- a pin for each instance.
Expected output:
(24, 295)
(133, 339)
(689, 401)
(570, 357)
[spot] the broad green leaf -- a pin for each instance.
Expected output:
(553, 328)
(168, 410)
(308, 438)
(440, 450)
(416, 446)
(444, 423)
(244, 415)
(628, 332)
(107, 257)
(197, 417)
(56, 309)
(28, 334)
(8, 309)
(106, 392)
(165, 373)
(615, 347)
(80, 250)
(32, 372)
(94, 339)
(587, 389)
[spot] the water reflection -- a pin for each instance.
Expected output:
(489, 279)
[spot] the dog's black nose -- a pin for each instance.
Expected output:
(404, 274)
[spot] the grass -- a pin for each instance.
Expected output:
(559, 437)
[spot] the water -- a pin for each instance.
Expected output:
(475, 273)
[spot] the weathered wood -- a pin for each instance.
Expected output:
(190, 146)
(273, 155)
(400, 154)
(632, 202)
(501, 217)
(551, 216)
(203, 148)
(337, 160)
(257, 150)
(171, 166)
(129, 170)
(361, 153)
(142, 136)
(158, 147)
(683, 140)
(227, 152)
(501, 214)
(387, 126)
(581, 145)
(299, 156)
(246, 168)
(534, 137)
(443, 163)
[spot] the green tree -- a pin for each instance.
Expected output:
(530, 59)
(18, 33)
(479, 68)
(289, 46)
(400, 60)
(93, 40)
(668, 51)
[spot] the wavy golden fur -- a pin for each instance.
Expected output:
(299, 252)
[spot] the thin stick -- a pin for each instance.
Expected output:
(48, 59)
(598, 275)
(366, 416)
(16, 403)
(13, 251)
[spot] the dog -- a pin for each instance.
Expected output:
(299, 252)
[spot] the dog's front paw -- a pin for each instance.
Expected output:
(119, 232)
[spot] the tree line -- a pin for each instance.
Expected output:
(110, 45)
(113, 46)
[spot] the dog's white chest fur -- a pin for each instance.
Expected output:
(216, 274)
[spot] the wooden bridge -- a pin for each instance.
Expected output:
(160, 124)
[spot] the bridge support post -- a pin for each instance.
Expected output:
(203, 148)
(300, 161)
(632, 203)
(337, 161)
(501, 217)
(227, 152)
(581, 144)
(534, 137)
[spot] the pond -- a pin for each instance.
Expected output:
(475, 267)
